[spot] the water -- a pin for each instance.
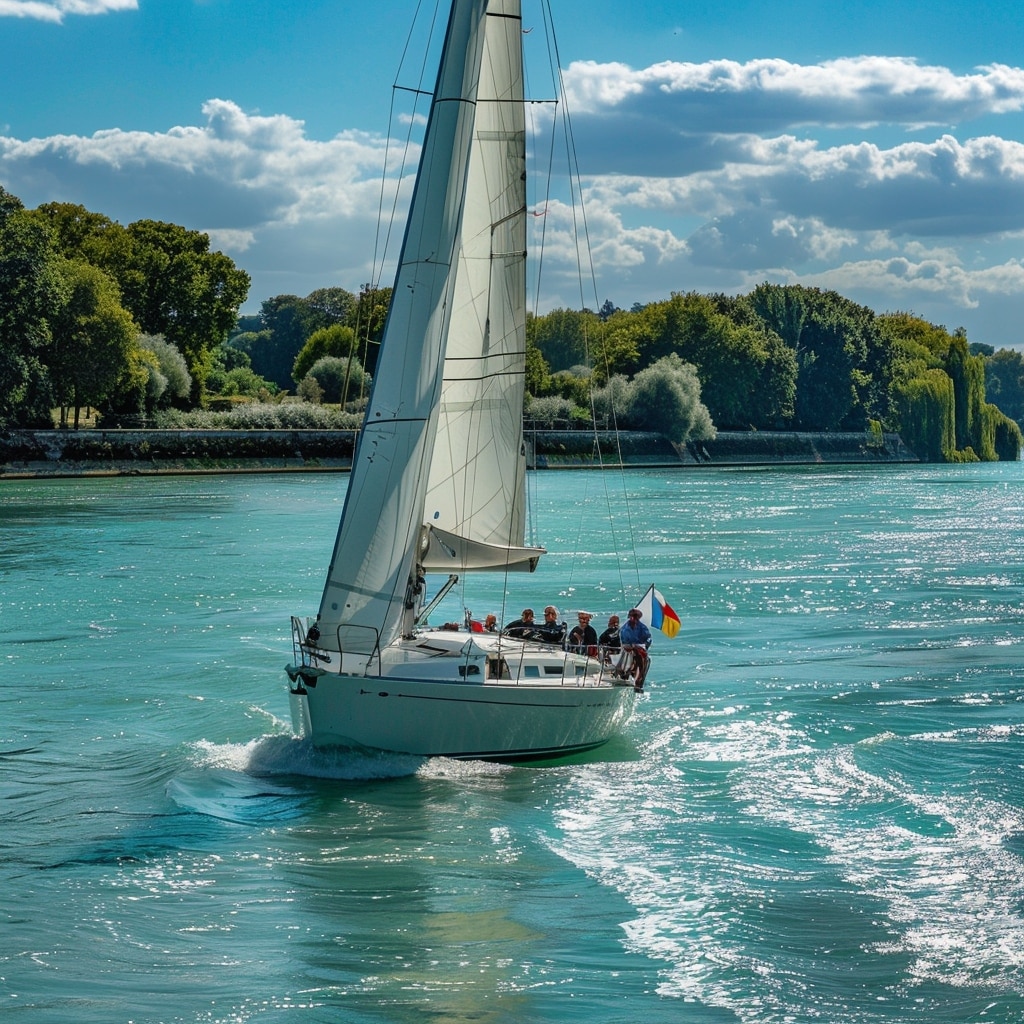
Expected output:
(816, 815)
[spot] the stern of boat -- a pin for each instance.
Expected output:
(305, 669)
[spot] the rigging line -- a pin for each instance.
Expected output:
(575, 180)
(541, 248)
(381, 248)
(380, 251)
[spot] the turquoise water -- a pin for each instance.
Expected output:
(816, 815)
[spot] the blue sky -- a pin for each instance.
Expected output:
(874, 148)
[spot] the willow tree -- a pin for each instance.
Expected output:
(926, 409)
(968, 375)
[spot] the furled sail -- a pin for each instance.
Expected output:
(476, 498)
(366, 597)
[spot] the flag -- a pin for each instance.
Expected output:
(658, 613)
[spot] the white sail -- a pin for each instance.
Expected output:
(367, 595)
(476, 498)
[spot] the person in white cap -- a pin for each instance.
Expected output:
(583, 636)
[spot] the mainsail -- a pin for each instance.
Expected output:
(476, 495)
(441, 451)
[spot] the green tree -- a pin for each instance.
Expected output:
(178, 288)
(31, 289)
(926, 415)
(538, 375)
(831, 338)
(340, 380)
(173, 370)
(617, 347)
(93, 336)
(565, 337)
(1004, 382)
(666, 398)
(81, 234)
(257, 349)
(274, 348)
(1007, 438)
(747, 376)
(370, 316)
(335, 340)
(968, 375)
(329, 306)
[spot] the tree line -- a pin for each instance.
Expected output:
(93, 313)
(788, 357)
(141, 321)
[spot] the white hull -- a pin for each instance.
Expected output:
(413, 709)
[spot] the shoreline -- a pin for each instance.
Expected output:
(42, 454)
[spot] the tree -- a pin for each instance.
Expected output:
(1004, 382)
(173, 369)
(283, 332)
(666, 397)
(93, 335)
(310, 391)
(370, 317)
(31, 289)
(538, 375)
(178, 288)
(83, 235)
(328, 306)
(783, 309)
(617, 348)
(747, 376)
(925, 404)
(565, 337)
(831, 338)
(340, 379)
(335, 340)
(1007, 438)
(968, 375)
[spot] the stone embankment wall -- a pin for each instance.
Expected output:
(568, 448)
(107, 452)
(29, 453)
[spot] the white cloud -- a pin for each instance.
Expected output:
(945, 188)
(910, 281)
(238, 171)
(55, 10)
(717, 207)
(766, 94)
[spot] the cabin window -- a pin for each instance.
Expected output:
(469, 670)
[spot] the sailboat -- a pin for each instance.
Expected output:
(438, 479)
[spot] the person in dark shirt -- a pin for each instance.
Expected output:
(609, 639)
(522, 626)
(552, 631)
(583, 636)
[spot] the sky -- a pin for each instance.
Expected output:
(874, 147)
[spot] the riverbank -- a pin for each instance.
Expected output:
(64, 453)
